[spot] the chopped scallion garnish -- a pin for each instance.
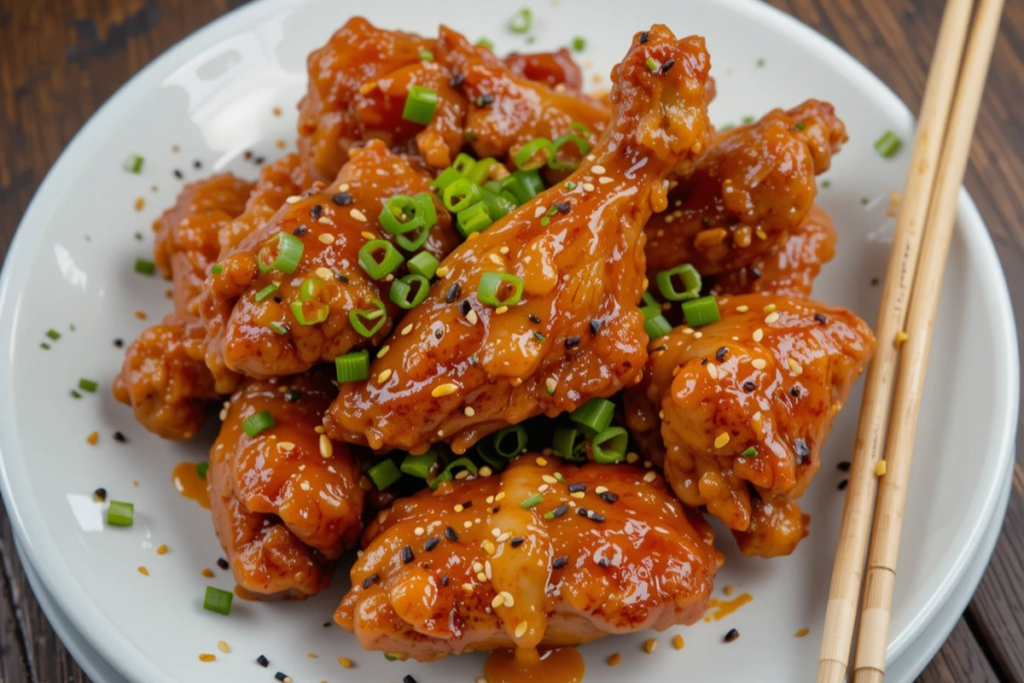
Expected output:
(420, 104)
(384, 474)
(532, 502)
(594, 416)
(352, 367)
(689, 277)
(120, 513)
(267, 291)
(510, 441)
(579, 44)
(521, 21)
(88, 385)
(423, 264)
(409, 291)
(217, 600)
(491, 285)
(749, 453)
(281, 252)
(359, 317)
(610, 445)
(201, 469)
(568, 445)
(702, 311)
(387, 263)
(133, 163)
(260, 422)
(420, 466)
(216, 269)
(888, 144)
(53, 334)
(460, 195)
(144, 266)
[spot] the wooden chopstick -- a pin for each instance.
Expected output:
(860, 496)
(873, 637)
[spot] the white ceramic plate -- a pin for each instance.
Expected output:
(213, 96)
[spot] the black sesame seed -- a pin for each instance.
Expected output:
(794, 391)
(263, 661)
(453, 293)
(222, 563)
(572, 342)
(247, 156)
(457, 80)
(533, 319)
(281, 676)
(582, 512)
(407, 555)
(431, 543)
(604, 562)
(293, 396)
(464, 307)
(474, 360)
(595, 326)
(802, 451)
(450, 534)
(843, 484)
(178, 174)
(445, 580)
(576, 488)
(844, 466)
(749, 386)
(278, 299)
(370, 580)
(120, 438)
(644, 37)
(517, 541)
(732, 635)
(596, 517)
(300, 231)
(439, 333)
(703, 361)
(326, 624)
(259, 161)
(468, 504)
(609, 497)
(408, 679)
(820, 319)
(538, 336)
(562, 207)
(316, 211)
(119, 343)
(341, 277)
(100, 494)
(341, 198)
(755, 272)
(560, 562)
(197, 164)
(667, 65)
(720, 353)
(559, 511)
(485, 100)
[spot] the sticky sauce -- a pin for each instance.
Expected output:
(720, 609)
(560, 665)
(189, 484)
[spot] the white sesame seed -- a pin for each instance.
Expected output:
(577, 494)
(501, 309)
(419, 531)
(459, 508)
(542, 488)
(588, 187)
(285, 446)
(521, 629)
(504, 537)
(383, 351)
(759, 363)
(324, 220)
(632, 458)
(758, 334)
(503, 250)
(601, 489)
(498, 601)
(445, 389)
(468, 587)
(722, 440)
(795, 367)
(509, 600)
(367, 235)
(604, 180)
(442, 271)
(539, 211)
(326, 447)
(500, 496)
(467, 524)
(326, 238)
(772, 317)
(550, 384)
(488, 547)
(293, 199)
(496, 259)
(358, 215)
(406, 330)
(650, 476)
(598, 169)
(324, 273)
(468, 411)
(223, 647)
(383, 376)
(472, 317)
(548, 479)
(769, 308)
(742, 309)
(485, 471)
(712, 370)
(304, 485)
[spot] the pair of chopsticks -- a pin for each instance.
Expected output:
(906, 319)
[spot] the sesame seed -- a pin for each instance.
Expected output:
(263, 661)
(614, 659)
(759, 363)
(650, 644)
(604, 180)
(406, 330)
(293, 199)
(650, 476)
(820, 319)
(498, 601)
(517, 541)
(358, 215)
(712, 370)
(880, 468)
(383, 351)
(469, 412)
(758, 334)
(598, 169)
(367, 235)
(304, 485)
(467, 524)
(324, 273)
(207, 658)
(742, 309)
(547, 478)
(431, 543)
(772, 318)
(802, 632)
(541, 462)
(504, 537)
(677, 642)
(632, 458)
(722, 440)
(459, 507)
(770, 308)
(223, 646)
(488, 547)
(285, 446)
(485, 471)
(446, 389)
(732, 635)
(500, 310)
(901, 337)
(588, 187)
(383, 376)
(472, 317)
(326, 238)
(407, 555)
(468, 587)
(550, 384)
(419, 531)
(521, 629)
(370, 580)
(345, 662)
(496, 259)
(450, 534)
(326, 447)
(794, 366)
(442, 271)
(324, 220)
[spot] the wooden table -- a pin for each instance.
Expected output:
(60, 60)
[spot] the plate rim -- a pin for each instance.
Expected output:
(43, 552)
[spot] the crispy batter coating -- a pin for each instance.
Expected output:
(790, 267)
(460, 369)
(754, 184)
(775, 390)
(281, 510)
(637, 561)
(332, 223)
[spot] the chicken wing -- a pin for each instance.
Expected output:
(754, 184)
(790, 267)
(524, 559)
(461, 368)
(281, 509)
(252, 324)
(742, 422)
(554, 69)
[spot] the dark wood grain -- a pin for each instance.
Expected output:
(61, 59)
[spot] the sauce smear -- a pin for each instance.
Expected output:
(560, 665)
(190, 485)
(720, 609)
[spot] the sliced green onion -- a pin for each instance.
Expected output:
(216, 269)
(133, 163)
(260, 422)
(420, 104)
(472, 219)
(400, 214)
(490, 285)
(579, 44)
(423, 264)
(281, 252)
(652, 64)
(496, 205)
(484, 452)
(267, 291)
(352, 367)
(478, 173)
(201, 469)
(359, 317)
(594, 416)
(532, 502)
(460, 195)
(426, 55)
(278, 328)
(311, 309)
(446, 178)
(888, 144)
(582, 128)
(582, 145)
(702, 311)
(463, 163)
(449, 472)
(534, 154)
(420, 466)
(655, 324)
(689, 277)
(610, 445)
(522, 185)
(144, 267)
(749, 453)
(120, 513)
(510, 441)
(217, 600)
(567, 445)
(486, 42)
(88, 385)
(402, 291)
(521, 21)
(647, 299)
(388, 263)
(384, 474)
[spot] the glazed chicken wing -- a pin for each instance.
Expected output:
(281, 509)
(524, 559)
(553, 69)
(790, 267)
(460, 368)
(754, 184)
(250, 310)
(742, 422)
(164, 378)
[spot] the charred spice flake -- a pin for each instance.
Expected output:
(316, 211)
(342, 198)
(453, 293)
(560, 562)
(450, 534)
(263, 661)
(431, 543)
(572, 342)
(732, 635)
(407, 555)
(370, 580)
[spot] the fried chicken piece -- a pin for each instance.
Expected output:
(284, 178)
(553, 69)
(164, 378)
(486, 572)
(255, 331)
(460, 368)
(775, 391)
(789, 268)
(281, 510)
(754, 184)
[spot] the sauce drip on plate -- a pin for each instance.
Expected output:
(189, 484)
(560, 665)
